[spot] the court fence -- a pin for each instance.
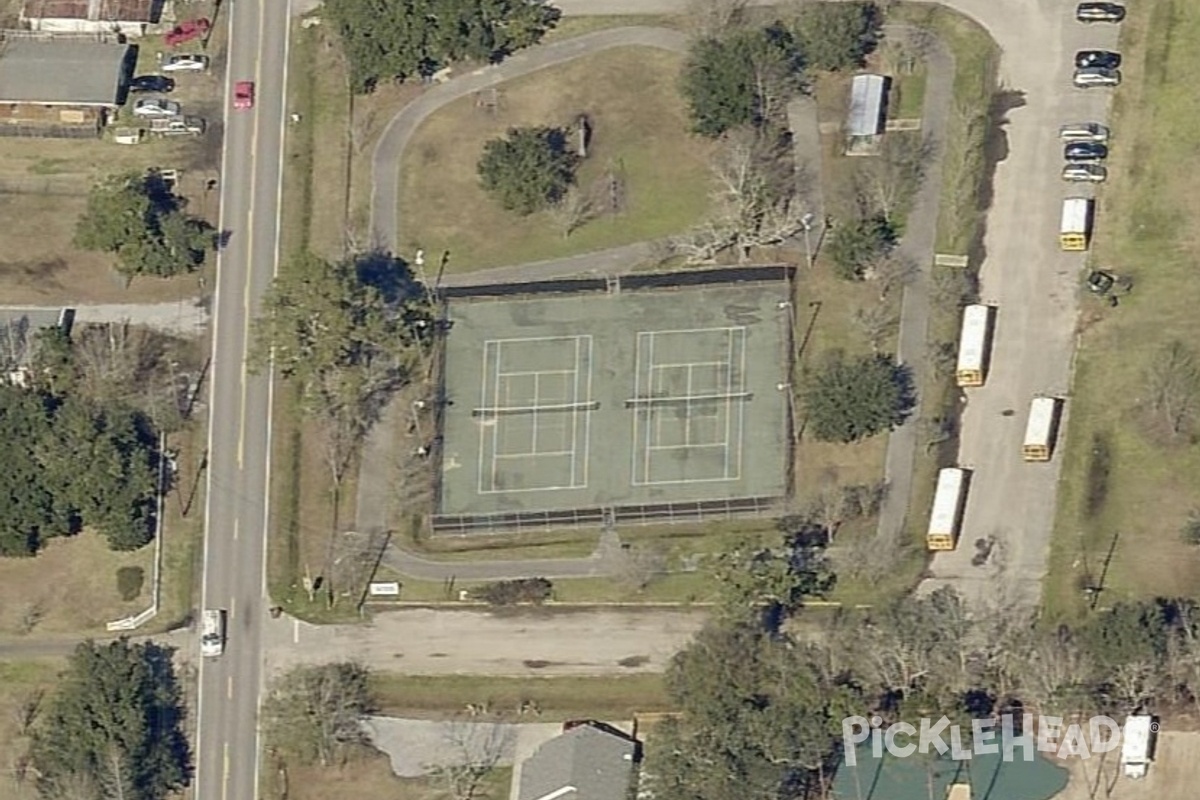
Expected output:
(600, 517)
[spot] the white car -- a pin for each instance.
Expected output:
(156, 107)
(1086, 77)
(1083, 132)
(185, 62)
(212, 632)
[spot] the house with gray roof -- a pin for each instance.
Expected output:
(588, 761)
(62, 83)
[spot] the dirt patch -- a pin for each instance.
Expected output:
(70, 587)
(1172, 776)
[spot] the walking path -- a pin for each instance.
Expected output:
(605, 560)
(920, 236)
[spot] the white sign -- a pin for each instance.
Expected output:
(384, 589)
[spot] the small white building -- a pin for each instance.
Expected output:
(868, 105)
(130, 17)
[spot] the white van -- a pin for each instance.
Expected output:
(212, 632)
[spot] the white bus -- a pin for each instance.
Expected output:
(973, 345)
(947, 509)
(1041, 430)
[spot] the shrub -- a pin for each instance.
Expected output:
(129, 582)
(507, 593)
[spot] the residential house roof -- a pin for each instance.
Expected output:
(62, 72)
(115, 11)
(588, 762)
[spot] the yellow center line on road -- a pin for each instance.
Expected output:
(225, 778)
(235, 528)
(248, 311)
(232, 607)
(229, 688)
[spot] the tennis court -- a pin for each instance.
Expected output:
(596, 400)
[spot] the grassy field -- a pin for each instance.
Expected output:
(22, 683)
(640, 135)
(555, 698)
(1118, 475)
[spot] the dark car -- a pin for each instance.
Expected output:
(151, 83)
(1100, 12)
(1082, 152)
(1102, 59)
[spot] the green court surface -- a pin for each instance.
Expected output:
(598, 400)
(921, 777)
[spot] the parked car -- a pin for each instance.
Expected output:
(156, 107)
(1084, 173)
(177, 126)
(1100, 282)
(1100, 12)
(185, 62)
(1096, 76)
(1083, 132)
(186, 31)
(1085, 152)
(151, 83)
(243, 95)
(1104, 59)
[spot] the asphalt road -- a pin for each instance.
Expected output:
(239, 426)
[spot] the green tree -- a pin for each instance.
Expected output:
(836, 36)
(854, 246)
(745, 78)
(529, 169)
(1190, 532)
(115, 725)
(757, 719)
(386, 39)
(851, 399)
(776, 580)
(137, 218)
(313, 714)
(73, 464)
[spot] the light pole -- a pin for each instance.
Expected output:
(807, 221)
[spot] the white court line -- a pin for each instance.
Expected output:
(533, 339)
(537, 455)
(587, 418)
(650, 361)
(687, 408)
(686, 446)
(693, 331)
(537, 398)
(522, 374)
(741, 409)
(728, 404)
(483, 398)
(676, 365)
(574, 411)
(496, 428)
(637, 412)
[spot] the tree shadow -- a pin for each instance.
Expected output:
(389, 275)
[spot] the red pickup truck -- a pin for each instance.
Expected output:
(188, 30)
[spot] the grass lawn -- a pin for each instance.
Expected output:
(906, 99)
(1147, 229)
(437, 697)
(21, 682)
(640, 134)
(69, 587)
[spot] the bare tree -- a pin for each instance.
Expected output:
(710, 19)
(26, 712)
(889, 181)
(1173, 381)
(640, 565)
(574, 209)
(1053, 671)
(892, 270)
(477, 749)
(876, 322)
(314, 713)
